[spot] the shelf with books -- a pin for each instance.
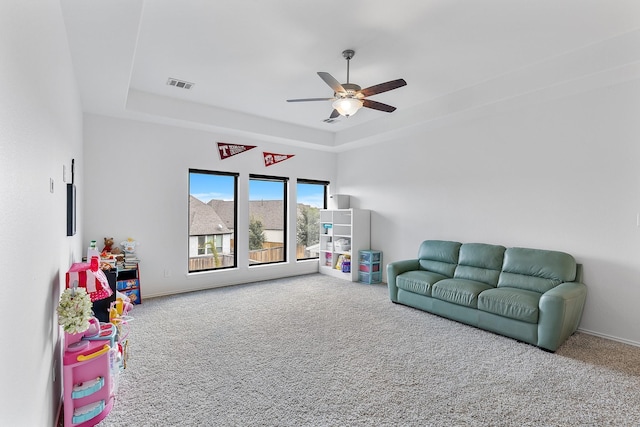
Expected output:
(343, 232)
(128, 281)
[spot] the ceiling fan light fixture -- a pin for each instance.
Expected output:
(347, 106)
(348, 98)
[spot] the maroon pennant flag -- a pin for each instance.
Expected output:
(227, 150)
(273, 158)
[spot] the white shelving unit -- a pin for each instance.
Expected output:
(343, 232)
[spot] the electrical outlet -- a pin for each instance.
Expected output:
(51, 185)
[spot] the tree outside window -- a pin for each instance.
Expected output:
(256, 234)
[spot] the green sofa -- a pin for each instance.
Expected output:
(531, 295)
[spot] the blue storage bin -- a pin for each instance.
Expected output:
(370, 268)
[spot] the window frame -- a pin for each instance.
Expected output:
(325, 185)
(285, 226)
(216, 238)
(235, 176)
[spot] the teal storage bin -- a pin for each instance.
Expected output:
(370, 266)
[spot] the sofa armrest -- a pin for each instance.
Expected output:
(394, 269)
(560, 313)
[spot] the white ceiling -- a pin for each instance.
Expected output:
(246, 57)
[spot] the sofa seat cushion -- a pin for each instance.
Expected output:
(418, 281)
(459, 291)
(514, 303)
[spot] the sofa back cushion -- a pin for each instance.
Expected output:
(535, 269)
(480, 262)
(439, 256)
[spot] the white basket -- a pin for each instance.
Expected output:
(342, 245)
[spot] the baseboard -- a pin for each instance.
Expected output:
(227, 283)
(609, 337)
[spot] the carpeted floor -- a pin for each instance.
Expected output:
(319, 351)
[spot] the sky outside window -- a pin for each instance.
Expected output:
(206, 187)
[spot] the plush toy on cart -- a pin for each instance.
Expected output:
(129, 246)
(108, 247)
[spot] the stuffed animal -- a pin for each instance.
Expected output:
(129, 246)
(108, 247)
(108, 243)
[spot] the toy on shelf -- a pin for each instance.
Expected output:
(110, 254)
(120, 308)
(129, 246)
(119, 317)
(343, 263)
(106, 332)
(128, 281)
(92, 250)
(108, 247)
(90, 277)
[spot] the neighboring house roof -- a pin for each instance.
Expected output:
(268, 211)
(225, 209)
(203, 219)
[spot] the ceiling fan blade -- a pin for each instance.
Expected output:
(378, 106)
(331, 81)
(383, 87)
(334, 114)
(309, 99)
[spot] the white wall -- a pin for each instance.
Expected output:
(137, 186)
(40, 132)
(561, 175)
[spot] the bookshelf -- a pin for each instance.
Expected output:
(343, 232)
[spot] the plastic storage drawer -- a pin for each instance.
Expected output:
(370, 256)
(370, 277)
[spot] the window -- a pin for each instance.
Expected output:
(267, 219)
(207, 244)
(212, 219)
(312, 196)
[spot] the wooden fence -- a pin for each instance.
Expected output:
(208, 262)
(260, 256)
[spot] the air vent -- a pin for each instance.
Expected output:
(179, 83)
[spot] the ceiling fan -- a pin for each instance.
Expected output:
(348, 98)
